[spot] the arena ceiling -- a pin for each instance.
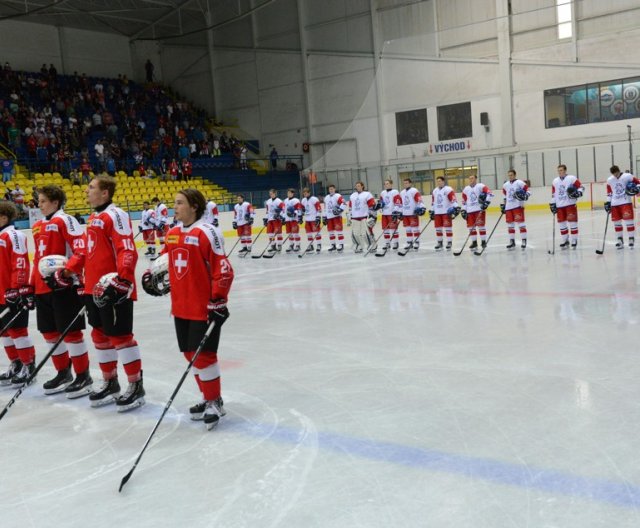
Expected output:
(183, 21)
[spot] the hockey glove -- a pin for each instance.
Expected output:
(218, 311)
(502, 208)
(324, 220)
(12, 297)
(607, 207)
(234, 224)
(117, 291)
(215, 223)
(318, 221)
(373, 218)
(420, 211)
(250, 221)
(57, 281)
(553, 208)
(265, 221)
(396, 217)
(432, 215)
(379, 205)
(301, 220)
(336, 211)
(484, 205)
(27, 297)
(139, 229)
(463, 214)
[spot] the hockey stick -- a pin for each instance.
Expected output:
(271, 255)
(42, 363)
(552, 251)
(604, 238)
(126, 478)
(313, 239)
(384, 251)
(256, 239)
(8, 325)
(478, 253)
(471, 231)
(403, 253)
(234, 247)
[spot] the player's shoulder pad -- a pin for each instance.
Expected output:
(121, 222)
(214, 236)
(18, 241)
(71, 224)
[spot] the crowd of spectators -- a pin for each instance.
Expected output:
(76, 124)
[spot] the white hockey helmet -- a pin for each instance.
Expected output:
(160, 274)
(101, 296)
(50, 264)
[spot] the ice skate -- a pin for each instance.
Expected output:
(620, 243)
(107, 394)
(59, 383)
(449, 246)
(80, 387)
(523, 245)
(214, 410)
(318, 248)
(631, 242)
(24, 376)
(438, 246)
(512, 244)
(14, 367)
(474, 245)
(332, 248)
(564, 245)
(132, 398)
(340, 248)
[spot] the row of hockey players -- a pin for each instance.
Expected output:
(74, 271)
(407, 206)
(155, 223)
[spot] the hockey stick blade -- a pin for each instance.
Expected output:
(599, 251)
(381, 254)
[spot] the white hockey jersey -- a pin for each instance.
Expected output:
(616, 188)
(272, 205)
(443, 199)
(211, 213)
(508, 189)
(559, 188)
(360, 203)
(148, 219)
(312, 208)
(411, 199)
(470, 195)
(331, 202)
(292, 209)
(391, 202)
(242, 213)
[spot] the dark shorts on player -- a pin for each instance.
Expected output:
(190, 333)
(56, 310)
(113, 320)
(22, 321)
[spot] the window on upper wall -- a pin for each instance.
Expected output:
(592, 103)
(565, 18)
(411, 127)
(454, 121)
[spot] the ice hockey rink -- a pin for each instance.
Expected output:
(424, 391)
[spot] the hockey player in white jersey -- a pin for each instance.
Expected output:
(565, 191)
(312, 210)
(293, 218)
(243, 216)
(444, 208)
(412, 209)
(211, 214)
(516, 192)
(390, 205)
(273, 220)
(621, 187)
(363, 217)
(476, 197)
(147, 228)
(334, 206)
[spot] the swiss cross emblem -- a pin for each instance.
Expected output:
(91, 244)
(180, 259)
(42, 245)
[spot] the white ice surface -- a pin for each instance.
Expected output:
(430, 390)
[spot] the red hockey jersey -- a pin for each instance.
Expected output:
(198, 269)
(109, 247)
(60, 235)
(14, 260)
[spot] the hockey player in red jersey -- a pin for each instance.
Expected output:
(57, 301)
(109, 262)
(17, 295)
(196, 258)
